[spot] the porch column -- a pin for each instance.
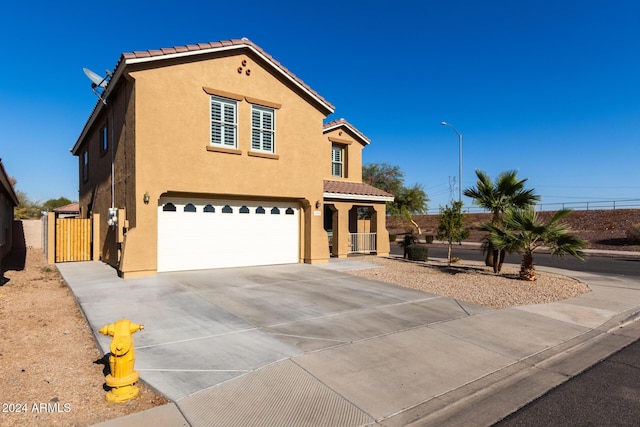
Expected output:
(341, 237)
(379, 221)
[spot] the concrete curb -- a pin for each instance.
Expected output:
(492, 398)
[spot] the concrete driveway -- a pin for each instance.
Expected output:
(310, 345)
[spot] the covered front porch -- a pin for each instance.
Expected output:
(355, 221)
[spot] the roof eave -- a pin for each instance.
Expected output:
(325, 107)
(4, 177)
(345, 196)
(328, 108)
(353, 130)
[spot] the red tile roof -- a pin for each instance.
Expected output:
(342, 122)
(70, 208)
(196, 49)
(204, 47)
(357, 189)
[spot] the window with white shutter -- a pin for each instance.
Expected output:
(224, 122)
(262, 129)
(337, 160)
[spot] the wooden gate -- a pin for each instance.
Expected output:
(73, 239)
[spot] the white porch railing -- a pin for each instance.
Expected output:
(362, 243)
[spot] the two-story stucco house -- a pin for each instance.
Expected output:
(215, 155)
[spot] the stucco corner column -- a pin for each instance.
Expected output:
(383, 246)
(316, 248)
(341, 237)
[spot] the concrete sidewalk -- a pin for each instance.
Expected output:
(310, 345)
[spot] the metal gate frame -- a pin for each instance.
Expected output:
(72, 239)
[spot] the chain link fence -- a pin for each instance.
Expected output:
(578, 206)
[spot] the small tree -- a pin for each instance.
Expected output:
(524, 232)
(407, 240)
(451, 226)
(409, 201)
(26, 209)
(51, 204)
(383, 176)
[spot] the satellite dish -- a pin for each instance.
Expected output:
(95, 78)
(98, 82)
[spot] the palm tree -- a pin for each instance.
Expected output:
(506, 192)
(522, 231)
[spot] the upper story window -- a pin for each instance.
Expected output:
(85, 166)
(224, 122)
(104, 139)
(337, 161)
(262, 129)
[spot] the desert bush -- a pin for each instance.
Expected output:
(417, 252)
(633, 234)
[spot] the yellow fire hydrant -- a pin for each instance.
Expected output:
(123, 377)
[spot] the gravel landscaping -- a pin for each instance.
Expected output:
(473, 282)
(51, 370)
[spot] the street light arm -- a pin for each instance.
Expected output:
(452, 127)
(460, 172)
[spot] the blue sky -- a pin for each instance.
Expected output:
(551, 89)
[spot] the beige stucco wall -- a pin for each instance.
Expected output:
(172, 133)
(159, 125)
(352, 146)
(97, 193)
(27, 234)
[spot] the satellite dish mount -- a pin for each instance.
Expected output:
(98, 84)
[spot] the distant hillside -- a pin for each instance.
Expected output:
(603, 229)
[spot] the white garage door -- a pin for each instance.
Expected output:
(198, 234)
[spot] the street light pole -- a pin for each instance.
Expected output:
(460, 171)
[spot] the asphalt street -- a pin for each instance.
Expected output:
(607, 394)
(615, 265)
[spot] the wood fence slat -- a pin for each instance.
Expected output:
(73, 239)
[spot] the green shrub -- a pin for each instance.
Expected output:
(633, 234)
(417, 252)
(428, 238)
(392, 237)
(407, 240)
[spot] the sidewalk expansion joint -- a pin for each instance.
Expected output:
(633, 317)
(204, 337)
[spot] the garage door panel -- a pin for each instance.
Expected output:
(200, 240)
